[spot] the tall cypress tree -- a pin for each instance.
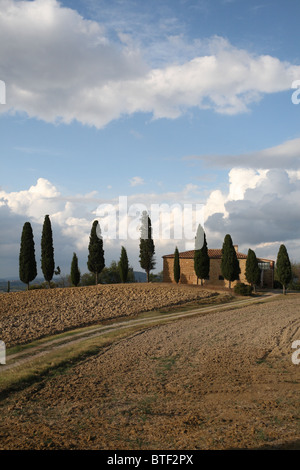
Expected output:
(229, 263)
(123, 265)
(252, 272)
(75, 272)
(147, 248)
(47, 251)
(201, 258)
(27, 261)
(283, 268)
(96, 260)
(176, 266)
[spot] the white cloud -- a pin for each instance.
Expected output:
(72, 217)
(240, 180)
(260, 209)
(62, 67)
(38, 200)
(136, 181)
(261, 213)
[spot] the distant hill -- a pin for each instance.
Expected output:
(140, 276)
(17, 285)
(14, 285)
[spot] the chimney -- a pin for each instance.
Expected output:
(236, 247)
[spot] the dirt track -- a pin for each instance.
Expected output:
(225, 380)
(26, 316)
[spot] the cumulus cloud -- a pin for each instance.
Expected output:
(260, 209)
(38, 200)
(285, 155)
(62, 67)
(72, 217)
(240, 180)
(263, 213)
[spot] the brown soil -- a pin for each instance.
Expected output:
(26, 316)
(221, 381)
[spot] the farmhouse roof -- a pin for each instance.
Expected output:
(212, 253)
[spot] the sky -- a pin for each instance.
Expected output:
(188, 109)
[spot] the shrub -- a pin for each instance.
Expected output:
(43, 285)
(294, 285)
(243, 289)
(36, 286)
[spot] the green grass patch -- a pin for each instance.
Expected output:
(145, 406)
(42, 341)
(164, 364)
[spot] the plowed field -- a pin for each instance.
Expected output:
(225, 380)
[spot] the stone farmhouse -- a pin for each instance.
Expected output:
(188, 276)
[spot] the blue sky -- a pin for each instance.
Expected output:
(177, 102)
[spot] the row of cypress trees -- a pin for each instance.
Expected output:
(27, 261)
(230, 265)
(95, 262)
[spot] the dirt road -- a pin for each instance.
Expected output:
(221, 381)
(26, 316)
(73, 337)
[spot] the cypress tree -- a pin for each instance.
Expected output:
(147, 248)
(47, 251)
(176, 266)
(252, 269)
(201, 258)
(75, 272)
(96, 260)
(283, 267)
(27, 262)
(199, 238)
(229, 263)
(123, 265)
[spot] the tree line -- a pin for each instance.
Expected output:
(95, 261)
(230, 267)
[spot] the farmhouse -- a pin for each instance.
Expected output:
(188, 276)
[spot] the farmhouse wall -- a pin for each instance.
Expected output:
(188, 276)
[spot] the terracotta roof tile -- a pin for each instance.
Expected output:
(212, 253)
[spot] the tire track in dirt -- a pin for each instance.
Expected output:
(35, 352)
(285, 338)
(196, 383)
(30, 315)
